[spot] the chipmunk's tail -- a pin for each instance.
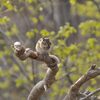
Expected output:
(55, 58)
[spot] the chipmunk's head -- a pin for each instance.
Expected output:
(43, 45)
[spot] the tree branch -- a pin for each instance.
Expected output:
(90, 94)
(48, 80)
(74, 90)
(97, 5)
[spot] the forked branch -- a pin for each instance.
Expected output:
(23, 53)
(74, 90)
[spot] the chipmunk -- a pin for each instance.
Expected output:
(43, 47)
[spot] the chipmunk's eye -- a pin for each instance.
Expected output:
(44, 40)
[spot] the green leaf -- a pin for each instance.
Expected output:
(72, 2)
(1, 72)
(31, 76)
(16, 68)
(4, 20)
(1, 54)
(4, 85)
(31, 34)
(91, 42)
(66, 31)
(41, 18)
(20, 81)
(31, 1)
(8, 4)
(13, 30)
(90, 27)
(34, 20)
(44, 32)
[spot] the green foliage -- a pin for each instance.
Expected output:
(31, 1)
(91, 43)
(30, 34)
(76, 43)
(66, 31)
(13, 30)
(41, 18)
(44, 32)
(73, 2)
(1, 54)
(87, 9)
(4, 85)
(4, 20)
(20, 81)
(90, 27)
(34, 20)
(7, 4)
(16, 68)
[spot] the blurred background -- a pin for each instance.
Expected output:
(74, 29)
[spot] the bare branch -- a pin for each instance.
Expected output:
(74, 90)
(9, 42)
(92, 72)
(92, 93)
(97, 5)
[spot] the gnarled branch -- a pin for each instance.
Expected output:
(48, 80)
(74, 90)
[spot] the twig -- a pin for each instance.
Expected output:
(68, 77)
(9, 42)
(21, 67)
(7, 39)
(96, 4)
(92, 93)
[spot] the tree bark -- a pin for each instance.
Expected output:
(48, 80)
(74, 93)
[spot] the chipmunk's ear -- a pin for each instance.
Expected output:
(41, 39)
(45, 38)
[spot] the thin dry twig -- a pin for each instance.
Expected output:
(91, 94)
